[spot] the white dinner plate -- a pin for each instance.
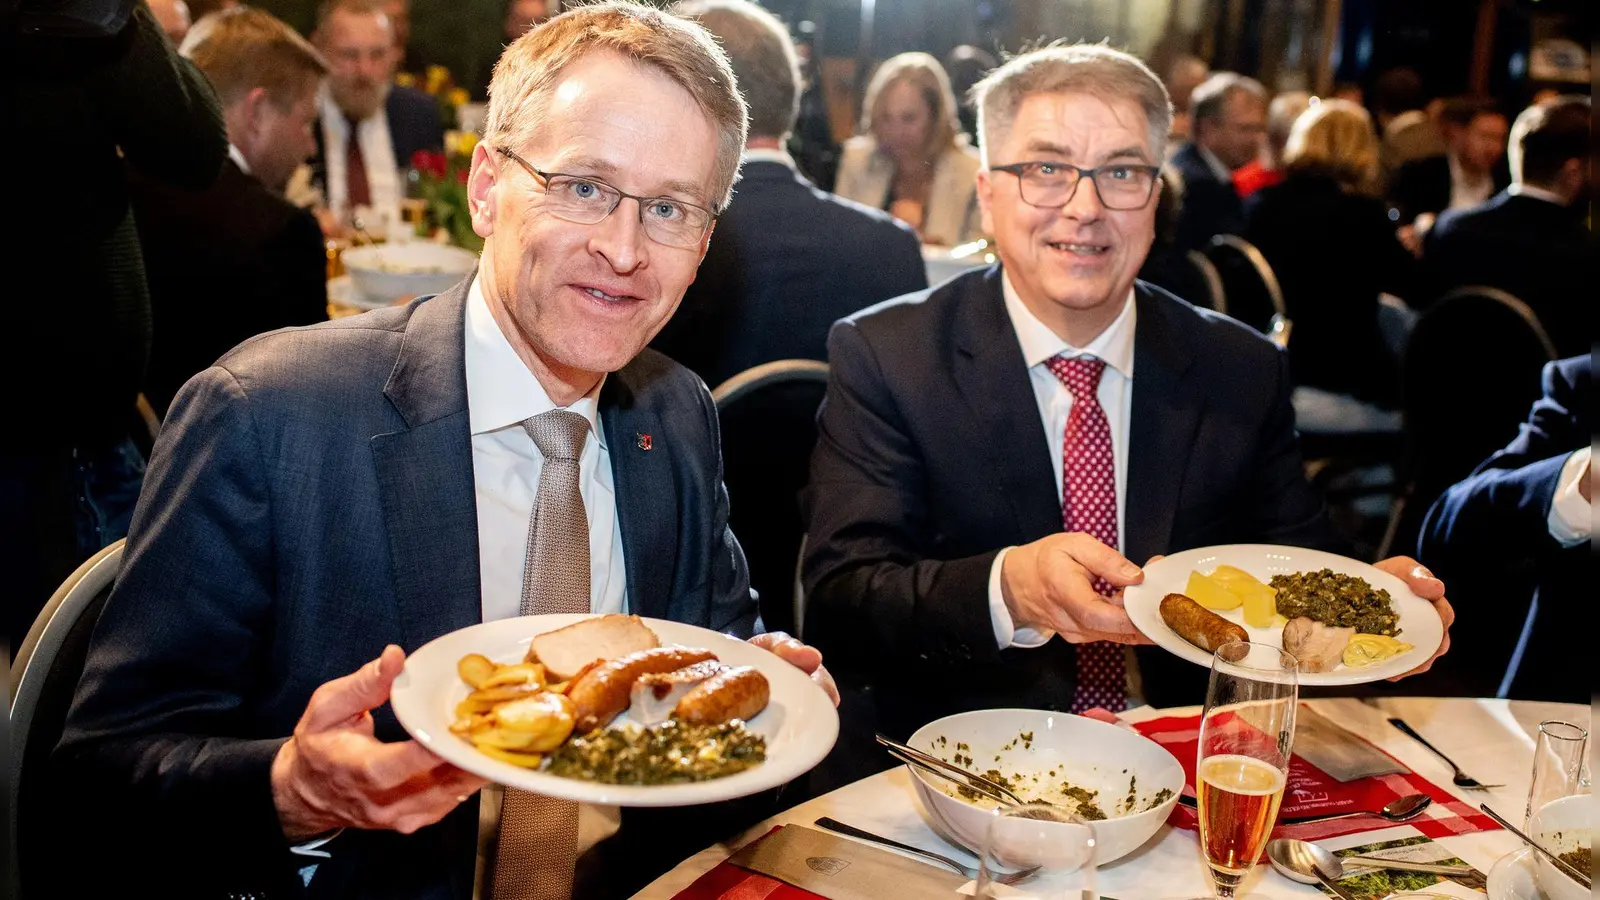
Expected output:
(1419, 623)
(1514, 877)
(799, 723)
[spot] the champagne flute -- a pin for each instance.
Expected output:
(1043, 851)
(1243, 761)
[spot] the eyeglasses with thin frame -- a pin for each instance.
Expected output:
(1051, 185)
(584, 200)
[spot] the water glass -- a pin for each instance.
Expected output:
(1057, 846)
(1560, 765)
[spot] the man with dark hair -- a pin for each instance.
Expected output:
(787, 258)
(1228, 115)
(1530, 239)
(1468, 173)
(240, 232)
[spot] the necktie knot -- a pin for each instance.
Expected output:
(1081, 374)
(559, 433)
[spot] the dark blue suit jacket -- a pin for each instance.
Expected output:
(932, 457)
(1210, 207)
(414, 124)
(1490, 535)
(1537, 250)
(786, 261)
(1423, 186)
(311, 500)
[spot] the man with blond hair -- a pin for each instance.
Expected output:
(325, 500)
(240, 232)
(995, 453)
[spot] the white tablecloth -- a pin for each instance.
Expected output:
(1491, 739)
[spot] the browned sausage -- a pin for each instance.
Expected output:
(603, 692)
(1198, 625)
(737, 693)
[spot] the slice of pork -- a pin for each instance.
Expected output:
(1318, 647)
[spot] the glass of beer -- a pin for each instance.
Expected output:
(1243, 761)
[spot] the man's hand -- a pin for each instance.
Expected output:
(334, 774)
(804, 657)
(1424, 585)
(1048, 585)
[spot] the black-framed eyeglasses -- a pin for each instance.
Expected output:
(1050, 185)
(584, 200)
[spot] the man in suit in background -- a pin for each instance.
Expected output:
(326, 499)
(1469, 172)
(1229, 121)
(1520, 527)
(787, 259)
(235, 259)
(365, 177)
(1406, 131)
(1531, 238)
(995, 451)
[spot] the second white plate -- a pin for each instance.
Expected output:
(1420, 625)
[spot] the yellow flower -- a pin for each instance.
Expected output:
(465, 142)
(459, 97)
(405, 79)
(437, 78)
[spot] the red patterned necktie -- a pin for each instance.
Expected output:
(357, 190)
(1089, 505)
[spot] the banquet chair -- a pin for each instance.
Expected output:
(1250, 288)
(44, 676)
(1469, 373)
(1216, 298)
(769, 425)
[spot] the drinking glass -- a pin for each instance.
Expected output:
(1243, 763)
(1057, 845)
(1560, 765)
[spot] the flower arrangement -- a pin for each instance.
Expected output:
(438, 180)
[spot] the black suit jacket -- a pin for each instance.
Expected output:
(1489, 535)
(224, 264)
(1210, 207)
(1423, 186)
(311, 500)
(414, 124)
(786, 261)
(933, 457)
(1539, 251)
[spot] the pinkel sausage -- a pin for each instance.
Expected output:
(737, 693)
(1198, 625)
(603, 692)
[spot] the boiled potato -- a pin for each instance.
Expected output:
(1260, 605)
(1235, 579)
(1210, 593)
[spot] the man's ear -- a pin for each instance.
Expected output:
(483, 179)
(986, 189)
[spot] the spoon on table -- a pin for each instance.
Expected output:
(1308, 863)
(1400, 809)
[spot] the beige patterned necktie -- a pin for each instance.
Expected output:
(537, 847)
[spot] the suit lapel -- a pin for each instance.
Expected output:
(993, 377)
(1161, 429)
(646, 492)
(425, 478)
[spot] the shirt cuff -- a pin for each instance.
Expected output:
(1571, 517)
(1006, 633)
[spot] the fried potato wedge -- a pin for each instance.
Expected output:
(525, 760)
(548, 718)
(504, 738)
(514, 675)
(475, 669)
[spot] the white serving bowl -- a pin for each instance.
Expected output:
(1089, 754)
(1560, 825)
(383, 273)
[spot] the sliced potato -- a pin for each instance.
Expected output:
(547, 717)
(469, 707)
(559, 687)
(470, 723)
(504, 738)
(525, 760)
(475, 669)
(503, 693)
(519, 674)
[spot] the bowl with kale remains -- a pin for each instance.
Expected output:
(1562, 826)
(1122, 782)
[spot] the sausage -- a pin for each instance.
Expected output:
(737, 693)
(602, 693)
(1198, 625)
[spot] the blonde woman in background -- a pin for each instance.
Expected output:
(912, 158)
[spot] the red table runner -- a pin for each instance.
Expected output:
(729, 882)
(1310, 792)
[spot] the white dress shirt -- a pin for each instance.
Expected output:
(237, 155)
(377, 152)
(501, 392)
(1039, 345)
(1465, 191)
(1571, 517)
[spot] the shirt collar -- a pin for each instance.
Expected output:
(237, 155)
(765, 155)
(1040, 344)
(1217, 167)
(1537, 193)
(500, 389)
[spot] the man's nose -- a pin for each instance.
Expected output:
(620, 237)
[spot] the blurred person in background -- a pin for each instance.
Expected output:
(1470, 171)
(399, 13)
(522, 15)
(1532, 238)
(764, 293)
(1405, 129)
(812, 144)
(72, 470)
(1228, 113)
(1186, 73)
(1329, 240)
(174, 18)
(370, 126)
(236, 259)
(911, 158)
(1267, 169)
(967, 65)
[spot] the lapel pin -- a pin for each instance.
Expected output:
(643, 441)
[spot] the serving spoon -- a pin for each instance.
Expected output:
(1308, 863)
(1400, 809)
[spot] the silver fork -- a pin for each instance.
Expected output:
(1461, 779)
(968, 871)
